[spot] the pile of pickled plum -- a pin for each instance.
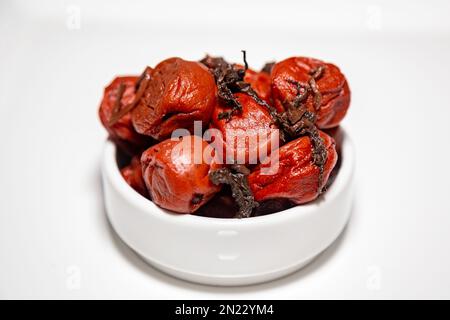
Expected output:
(218, 139)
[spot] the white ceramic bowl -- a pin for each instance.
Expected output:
(228, 252)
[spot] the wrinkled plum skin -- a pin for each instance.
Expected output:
(297, 178)
(254, 120)
(122, 132)
(174, 182)
(133, 176)
(332, 85)
(179, 92)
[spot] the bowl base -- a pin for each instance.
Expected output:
(228, 281)
(228, 252)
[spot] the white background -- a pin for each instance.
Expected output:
(55, 241)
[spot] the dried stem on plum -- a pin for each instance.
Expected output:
(316, 73)
(295, 122)
(298, 121)
(244, 57)
(240, 190)
(230, 80)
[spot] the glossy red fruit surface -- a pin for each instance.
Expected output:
(174, 179)
(122, 131)
(178, 93)
(248, 135)
(297, 178)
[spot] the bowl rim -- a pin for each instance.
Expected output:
(111, 173)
